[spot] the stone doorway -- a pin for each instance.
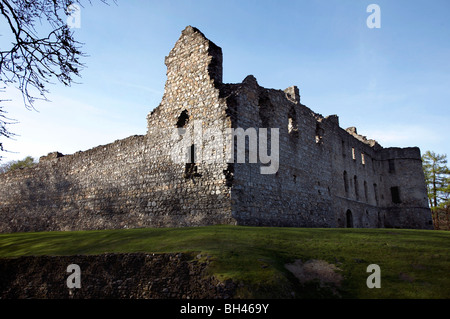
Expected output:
(349, 218)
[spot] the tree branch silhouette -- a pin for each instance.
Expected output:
(33, 60)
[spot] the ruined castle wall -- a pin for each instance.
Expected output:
(86, 190)
(297, 194)
(190, 106)
(363, 181)
(184, 172)
(355, 184)
(134, 182)
(328, 176)
(405, 194)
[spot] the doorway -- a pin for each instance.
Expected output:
(349, 218)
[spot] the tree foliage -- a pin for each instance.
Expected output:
(13, 165)
(437, 178)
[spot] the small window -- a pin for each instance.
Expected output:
(395, 193)
(190, 169)
(353, 154)
(345, 182)
(229, 174)
(356, 187)
(375, 192)
(363, 160)
(366, 192)
(391, 166)
(183, 119)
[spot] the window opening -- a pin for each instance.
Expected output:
(395, 193)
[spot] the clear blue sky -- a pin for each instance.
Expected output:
(392, 83)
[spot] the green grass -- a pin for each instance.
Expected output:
(414, 263)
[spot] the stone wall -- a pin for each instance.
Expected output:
(184, 171)
(290, 196)
(112, 276)
(328, 176)
(132, 182)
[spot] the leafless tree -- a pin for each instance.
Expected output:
(42, 48)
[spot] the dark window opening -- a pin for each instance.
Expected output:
(229, 174)
(395, 193)
(391, 166)
(365, 191)
(349, 218)
(356, 187)
(183, 119)
(190, 169)
(345, 182)
(375, 191)
(266, 109)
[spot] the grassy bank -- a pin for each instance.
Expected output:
(413, 263)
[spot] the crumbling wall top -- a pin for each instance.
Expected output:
(293, 94)
(372, 143)
(50, 156)
(193, 52)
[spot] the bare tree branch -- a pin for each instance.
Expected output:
(34, 60)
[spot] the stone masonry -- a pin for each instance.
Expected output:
(325, 176)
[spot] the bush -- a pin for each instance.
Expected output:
(13, 165)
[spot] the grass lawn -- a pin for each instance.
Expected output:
(413, 263)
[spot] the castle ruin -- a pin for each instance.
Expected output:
(324, 176)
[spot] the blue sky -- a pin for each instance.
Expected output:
(392, 83)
